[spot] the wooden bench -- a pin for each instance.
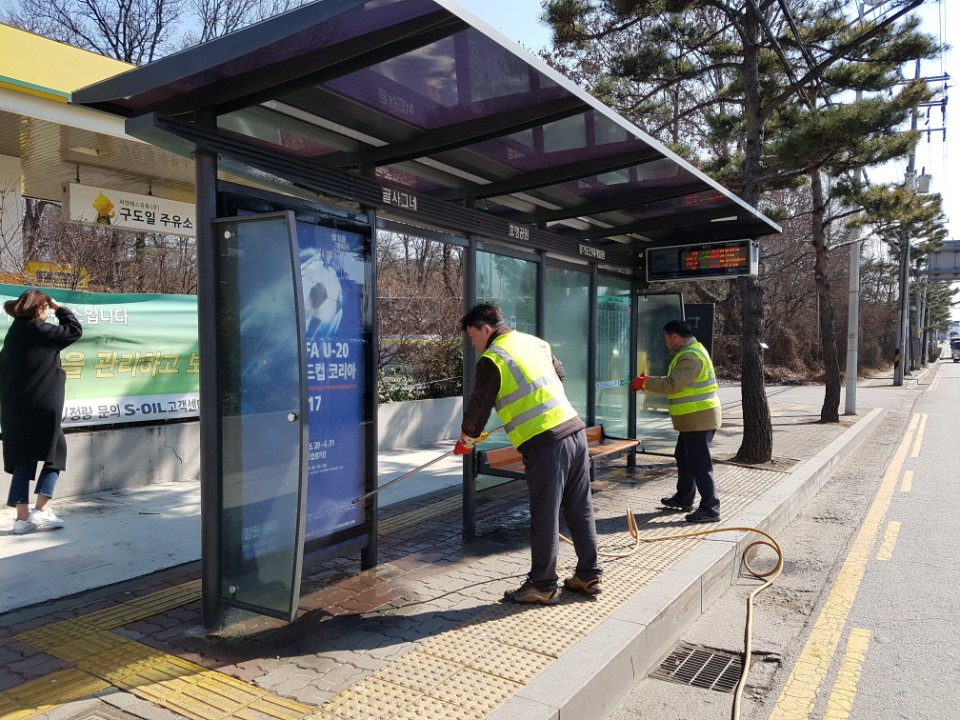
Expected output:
(507, 462)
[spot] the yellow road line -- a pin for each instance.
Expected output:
(919, 440)
(845, 688)
(800, 691)
(907, 484)
(912, 425)
(889, 540)
(932, 387)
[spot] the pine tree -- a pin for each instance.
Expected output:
(713, 74)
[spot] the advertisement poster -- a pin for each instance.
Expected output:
(333, 266)
(136, 362)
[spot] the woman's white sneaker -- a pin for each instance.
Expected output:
(45, 518)
(22, 527)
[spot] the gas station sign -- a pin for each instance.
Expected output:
(128, 211)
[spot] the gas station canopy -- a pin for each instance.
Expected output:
(423, 98)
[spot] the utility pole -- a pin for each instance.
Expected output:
(922, 325)
(917, 360)
(899, 369)
(853, 313)
(853, 299)
(910, 181)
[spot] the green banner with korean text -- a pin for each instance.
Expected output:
(137, 361)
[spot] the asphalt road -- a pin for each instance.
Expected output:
(862, 623)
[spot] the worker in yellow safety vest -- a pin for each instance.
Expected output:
(518, 376)
(691, 389)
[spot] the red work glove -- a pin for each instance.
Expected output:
(464, 445)
(638, 382)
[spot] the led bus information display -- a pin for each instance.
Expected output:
(702, 262)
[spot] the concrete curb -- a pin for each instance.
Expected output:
(596, 673)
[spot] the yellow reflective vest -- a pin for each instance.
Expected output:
(531, 399)
(702, 393)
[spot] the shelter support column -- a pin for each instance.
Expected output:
(210, 480)
(632, 396)
(541, 295)
(469, 361)
(592, 348)
(369, 553)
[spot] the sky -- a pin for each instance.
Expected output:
(517, 19)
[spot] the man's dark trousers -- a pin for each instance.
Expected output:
(558, 478)
(695, 470)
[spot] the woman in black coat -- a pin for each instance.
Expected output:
(32, 393)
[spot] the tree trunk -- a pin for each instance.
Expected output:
(116, 263)
(757, 443)
(140, 252)
(32, 217)
(830, 411)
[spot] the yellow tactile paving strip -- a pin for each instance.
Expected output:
(463, 673)
(105, 659)
(195, 692)
(66, 639)
(45, 693)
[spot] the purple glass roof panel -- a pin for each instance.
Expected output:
(658, 174)
(575, 139)
(687, 203)
(463, 77)
(263, 131)
(322, 36)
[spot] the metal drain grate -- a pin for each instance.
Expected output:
(701, 667)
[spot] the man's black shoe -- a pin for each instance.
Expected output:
(701, 517)
(674, 504)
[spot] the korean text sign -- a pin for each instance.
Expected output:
(129, 211)
(137, 360)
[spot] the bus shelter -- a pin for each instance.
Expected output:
(409, 116)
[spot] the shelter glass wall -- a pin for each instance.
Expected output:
(653, 420)
(261, 399)
(613, 354)
(567, 329)
(511, 284)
